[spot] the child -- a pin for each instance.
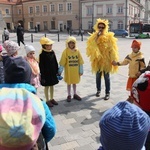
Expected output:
(136, 62)
(2, 80)
(72, 62)
(124, 127)
(11, 48)
(30, 58)
(141, 97)
(48, 69)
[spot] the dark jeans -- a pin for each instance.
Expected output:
(107, 81)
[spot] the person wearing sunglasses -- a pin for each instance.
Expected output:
(102, 50)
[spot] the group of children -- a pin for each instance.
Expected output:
(46, 71)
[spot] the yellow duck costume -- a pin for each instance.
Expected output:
(71, 60)
(102, 50)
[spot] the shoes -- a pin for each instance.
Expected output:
(107, 96)
(69, 98)
(54, 102)
(77, 97)
(98, 94)
(49, 103)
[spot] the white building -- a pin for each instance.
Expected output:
(120, 13)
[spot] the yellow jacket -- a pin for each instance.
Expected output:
(136, 63)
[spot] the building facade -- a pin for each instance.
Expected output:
(75, 14)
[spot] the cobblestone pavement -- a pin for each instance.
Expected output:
(78, 122)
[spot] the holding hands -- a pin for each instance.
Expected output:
(114, 63)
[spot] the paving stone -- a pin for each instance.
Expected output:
(58, 141)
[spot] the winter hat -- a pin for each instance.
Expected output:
(11, 47)
(1, 48)
(46, 41)
(16, 70)
(29, 48)
(124, 127)
(22, 118)
(136, 44)
(141, 91)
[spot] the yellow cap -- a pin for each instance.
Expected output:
(46, 41)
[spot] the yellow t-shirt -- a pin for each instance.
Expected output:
(71, 60)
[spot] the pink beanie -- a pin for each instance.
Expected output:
(1, 48)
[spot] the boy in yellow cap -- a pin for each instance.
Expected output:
(48, 69)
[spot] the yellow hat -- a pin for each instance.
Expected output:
(46, 41)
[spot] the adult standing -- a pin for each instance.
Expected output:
(20, 34)
(5, 35)
(102, 50)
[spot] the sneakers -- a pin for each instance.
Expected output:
(98, 94)
(69, 98)
(107, 96)
(49, 103)
(54, 102)
(77, 97)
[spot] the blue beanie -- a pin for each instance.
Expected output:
(16, 70)
(124, 127)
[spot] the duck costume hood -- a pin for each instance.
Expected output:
(103, 21)
(71, 39)
(102, 49)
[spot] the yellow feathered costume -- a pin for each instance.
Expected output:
(102, 50)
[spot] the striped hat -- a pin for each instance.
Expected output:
(22, 116)
(124, 127)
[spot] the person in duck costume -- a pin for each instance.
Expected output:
(102, 50)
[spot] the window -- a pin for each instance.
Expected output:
(120, 9)
(45, 8)
(100, 10)
(31, 10)
(19, 11)
(89, 11)
(7, 11)
(120, 25)
(37, 9)
(31, 25)
(109, 9)
(45, 25)
(69, 6)
(60, 7)
(52, 7)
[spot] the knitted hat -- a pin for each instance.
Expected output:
(136, 44)
(21, 119)
(11, 47)
(124, 127)
(1, 48)
(46, 41)
(17, 70)
(29, 48)
(141, 91)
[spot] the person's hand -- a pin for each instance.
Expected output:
(80, 74)
(138, 74)
(114, 63)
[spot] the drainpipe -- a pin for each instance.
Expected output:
(126, 13)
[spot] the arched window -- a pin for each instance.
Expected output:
(120, 25)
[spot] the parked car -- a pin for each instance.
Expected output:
(77, 31)
(120, 32)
